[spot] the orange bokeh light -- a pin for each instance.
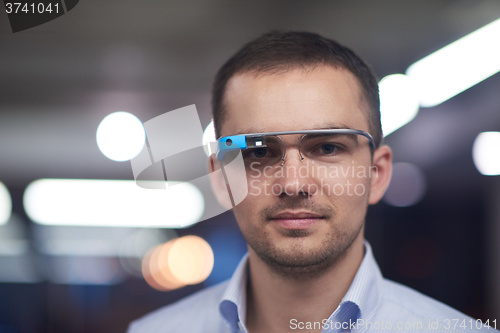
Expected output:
(179, 262)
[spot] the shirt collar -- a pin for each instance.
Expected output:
(365, 288)
(364, 291)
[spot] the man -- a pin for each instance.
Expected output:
(308, 267)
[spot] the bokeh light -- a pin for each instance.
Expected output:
(120, 136)
(486, 153)
(398, 102)
(408, 185)
(114, 203)
(190, 259)
(457, 66)
(148, 270)
(135, 246)
(5, 204)
(160, 268)
(177, 263)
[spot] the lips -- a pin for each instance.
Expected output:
(296, 220)
(298, 215)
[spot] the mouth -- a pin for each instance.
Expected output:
(296, 220)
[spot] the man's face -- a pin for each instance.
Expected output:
(289, 219)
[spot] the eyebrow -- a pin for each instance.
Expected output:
(352, 137)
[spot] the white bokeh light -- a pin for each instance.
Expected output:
(457, 66)
(398, 102)
(486, 153)
(5, 204)
(408, 185)
(208, 137)
(120, 136)
(112, 203)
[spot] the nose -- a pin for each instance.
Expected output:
(296, 178)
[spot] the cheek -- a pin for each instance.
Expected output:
(262, 184)
(248, 209)
(255, 188)
(246, 215)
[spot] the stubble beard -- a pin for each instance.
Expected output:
(297, 262)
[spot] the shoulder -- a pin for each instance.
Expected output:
(400, 303)
(178, 317)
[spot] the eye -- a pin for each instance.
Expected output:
(258, 153)
(328, 148)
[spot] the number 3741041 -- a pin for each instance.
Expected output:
(469, 324)
(32, 8)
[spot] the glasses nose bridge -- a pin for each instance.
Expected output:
(286, 146)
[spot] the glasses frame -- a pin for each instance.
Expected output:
(256, 140)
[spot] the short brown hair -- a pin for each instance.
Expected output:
(279, 51)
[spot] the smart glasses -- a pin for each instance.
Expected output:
(322, 146)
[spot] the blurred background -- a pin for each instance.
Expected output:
(437, 230)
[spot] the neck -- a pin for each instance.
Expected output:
(274, 300)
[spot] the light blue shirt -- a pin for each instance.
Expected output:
(372, 304)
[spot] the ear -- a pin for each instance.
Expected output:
(381, 171)
(219, 186)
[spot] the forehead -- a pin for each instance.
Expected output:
(297, 99)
